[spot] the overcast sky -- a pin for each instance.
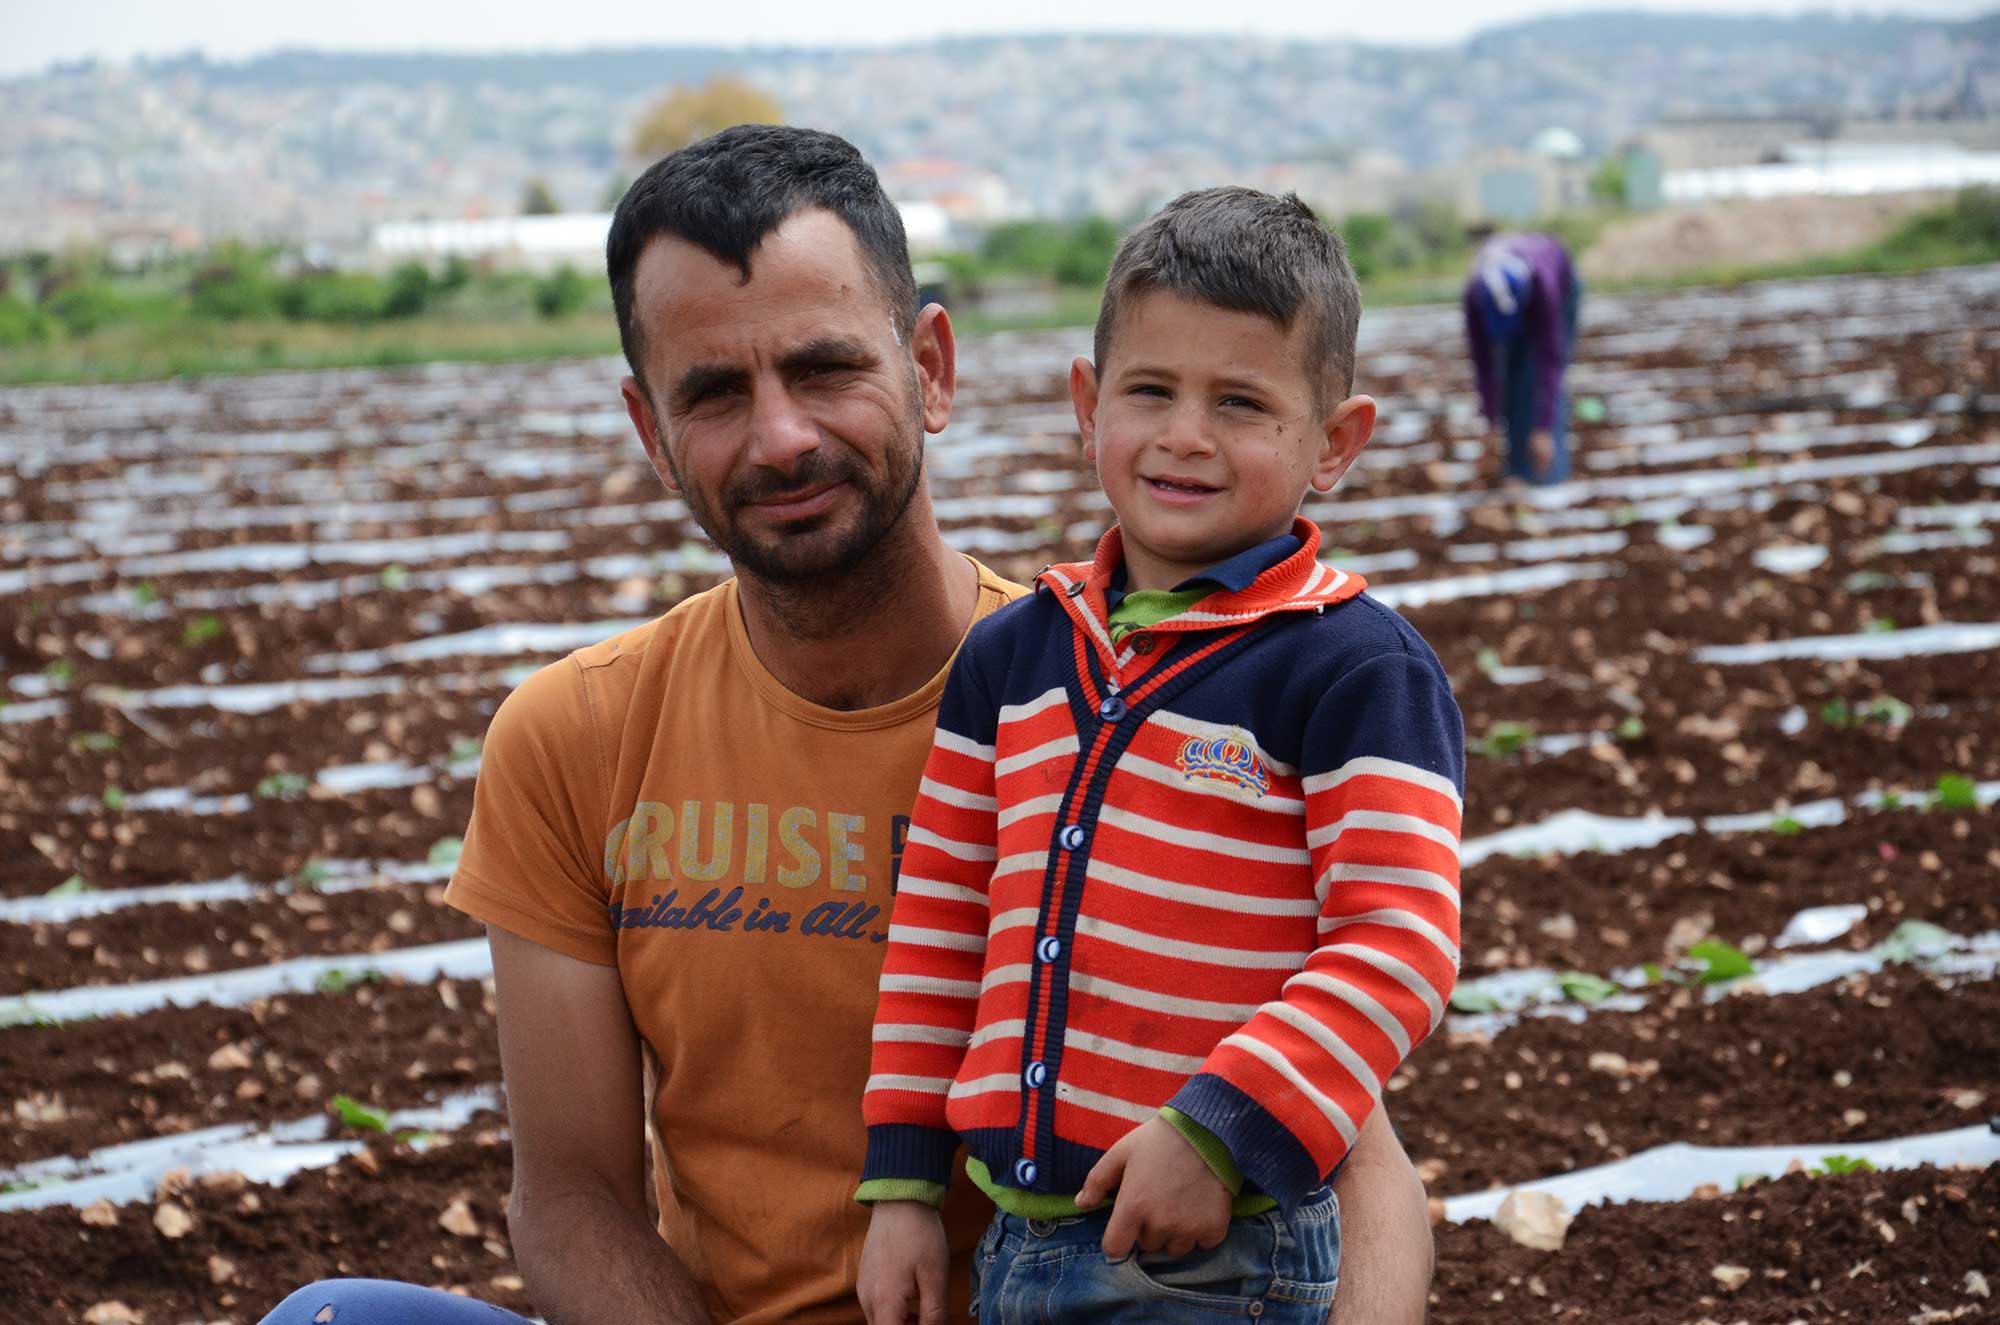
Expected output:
(38, 32)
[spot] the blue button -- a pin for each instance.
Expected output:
(1071, 837)
(1036, 1074)
(1049, 948)
(1024, 1172)
(1112, 709)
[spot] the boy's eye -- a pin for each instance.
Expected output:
(1150, 389)
(1242, 402)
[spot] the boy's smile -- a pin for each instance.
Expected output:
(1205, 433)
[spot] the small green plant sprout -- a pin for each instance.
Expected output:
(144, 594)
(1892, 800)
(1786, 826)
(1471, 998)
(1915, 938)
(395, 576)
(1631, 729)
(335, 980)
(1748, 462)
(1586, 988)
(96, 743)
(1835, 1165)
(60, 672)
(1836, 712)
(464, 750)
(1487, 660)
(201, 631)
(1590, 409)
(311, 874)
(445, 851)
(358, 1116)
(1887, 711)
(114, 798)
(416, 1136)
(1655, 973)
(282, 787)
(1504, 739)
(1868, 581)
(1955, 791)
(73, 886)
(1881, 625)
(1750, 1179)
(1720, 961)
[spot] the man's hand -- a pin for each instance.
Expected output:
(1168, 1198)
(903, 1265)
(1542, 450)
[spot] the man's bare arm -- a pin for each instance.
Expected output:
(575, 1103)
(1385, 1232)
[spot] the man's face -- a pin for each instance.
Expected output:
(783, 410)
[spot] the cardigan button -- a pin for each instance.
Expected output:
(1049, 948)
(1036, 1074)
(1142, 645)
(1112, 709)
(1024, 1172)
(1071, 838)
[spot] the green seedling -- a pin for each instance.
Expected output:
(96, 743)
(1590, 409)
(445, 851)
(337, 981)
(395, 576)
(144, 594)
(1721, 962)
(1748, 462)
(1631, 729)
(1467, 998)
(203, 630)
(1786, 826)
(1586, 988)
(465, 749)
(1625, 515)
(1868, 581)
(353, 1113)
(1488, 662)
(1882, 625)
(1655, 973)
(1504, 739)
(1891, 801)
(1888, 711)
(114, 798)
(312, 874)
(1750, 1179)
(1955, 791)
(1836, 713)
(416, 1136)
(71, 887)
(60, 672)
(1913, 939)
(282, 787)
(1835, 1165)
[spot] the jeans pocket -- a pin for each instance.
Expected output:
(1308, 1255)
(1228, 1278)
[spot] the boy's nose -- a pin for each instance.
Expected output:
(1186, 433)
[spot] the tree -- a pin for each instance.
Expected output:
(1608, 182)
(688, 114)
(537, 199)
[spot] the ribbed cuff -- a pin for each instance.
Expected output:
(901, 1189)
(1265, 1151)
(911, 1151)
(1209, 1146)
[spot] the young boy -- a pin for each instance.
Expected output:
(1181, 885)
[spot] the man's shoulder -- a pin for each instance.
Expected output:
(595, 682)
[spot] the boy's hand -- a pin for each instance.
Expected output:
(903, 1265)
(1168, 1198)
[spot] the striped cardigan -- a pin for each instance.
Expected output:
(1212, 866)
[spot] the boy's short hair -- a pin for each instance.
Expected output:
(726, 193)
(1248, 252)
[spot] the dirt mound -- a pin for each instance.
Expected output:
(1717, 236)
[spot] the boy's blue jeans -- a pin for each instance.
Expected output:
(1046, 1272)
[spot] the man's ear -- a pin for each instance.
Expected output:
(1083, 396)
(639, 408)
(1348, 429)
(935, 349)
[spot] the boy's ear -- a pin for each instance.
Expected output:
(1083, 395)
(1348, 429)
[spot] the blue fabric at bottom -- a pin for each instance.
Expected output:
(1517, 400)
(384, 1302)
(1048, 1272)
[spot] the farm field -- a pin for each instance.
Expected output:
(1732, 879)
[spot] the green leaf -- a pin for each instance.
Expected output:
(282, 786)
(1882, 625)
(464, 750)
(1835, 1165)
(1625, 515)
(1503, 739)
(1888, 710)
(333, 981)
(114, 798)
(1586, 988)
(1748, 1179)
(94, 742)
(1655, 973)
(1631, 729)
(1786, 826)
(202, 630)
(395, 575)
(70, 887)
(445, 850)
(1836, 713)
(1470, 998)
(1955, 791)
(61, 671)
(359, 1116)
(1868, 581)
(1720, 961)
(1487, 661)
(1590, 409)
(144, 594)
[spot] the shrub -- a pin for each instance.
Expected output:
(561, 292)
(331, 296)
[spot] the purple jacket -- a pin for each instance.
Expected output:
(1540, 317)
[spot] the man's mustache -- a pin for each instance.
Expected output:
(813, 470)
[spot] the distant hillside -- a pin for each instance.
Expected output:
(1613, 31)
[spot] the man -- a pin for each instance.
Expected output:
(685, 839)
(1520, 324)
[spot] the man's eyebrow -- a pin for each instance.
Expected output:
(824, 350)
(703, 379)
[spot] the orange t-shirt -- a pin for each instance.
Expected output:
(661, 803)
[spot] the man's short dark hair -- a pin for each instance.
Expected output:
(725, 193)
(1248, 252)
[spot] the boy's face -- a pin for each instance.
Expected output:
(1205, 435)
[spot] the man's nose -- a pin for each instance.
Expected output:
(781, 431)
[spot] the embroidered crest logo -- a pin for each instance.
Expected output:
(1224, 759)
